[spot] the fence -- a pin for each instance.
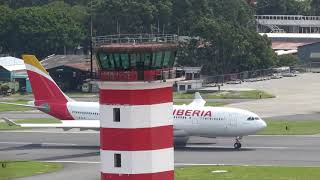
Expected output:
(257, 75)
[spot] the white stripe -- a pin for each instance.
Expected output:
(38, 71)
(138, 162)
(142, 116)
(74, 162)
(247, 147)
(136, 85)
(257, 135)
(17, 143)
(42, 144)
(57, 144)
(241, 165)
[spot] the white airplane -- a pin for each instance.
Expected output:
(194, 119)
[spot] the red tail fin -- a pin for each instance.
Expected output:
(43, 86)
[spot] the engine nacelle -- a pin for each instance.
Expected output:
(180, 138)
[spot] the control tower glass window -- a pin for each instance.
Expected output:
(105, 61)
(116, 58)
(124, 61)
(136, 60)
(166, 59)
(147, 60)
(133, 60)
(157, 60)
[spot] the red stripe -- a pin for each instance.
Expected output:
(136, 97)
(45, 89)
(47, 93)
(168, 175)
(136, 139)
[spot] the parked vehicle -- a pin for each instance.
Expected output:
(289, 75)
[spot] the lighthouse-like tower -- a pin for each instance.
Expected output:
(136, 77)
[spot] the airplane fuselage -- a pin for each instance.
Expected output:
(205, 121)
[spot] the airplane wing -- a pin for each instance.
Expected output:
(197, 101)
(25, 105)
(65, 124)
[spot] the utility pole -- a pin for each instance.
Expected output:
(91, 45)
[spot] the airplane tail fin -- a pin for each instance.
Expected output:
(43, 86)
(197, 95)
(198, 101)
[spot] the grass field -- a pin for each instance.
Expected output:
(254, 94)
(207, 104)
(247, 173)
(5, 126)
(301, 127)
(8, 107)
(12, 169)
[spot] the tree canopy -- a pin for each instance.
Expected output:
(222, 32)
(288, 7)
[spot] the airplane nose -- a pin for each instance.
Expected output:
(263, 124)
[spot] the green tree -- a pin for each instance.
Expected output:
(283, 7)
(6, 15)
(287, 60)
(229, 49)
(44, 30)
(315, 7)
(277, 7)
(15, 4)
(125, 16)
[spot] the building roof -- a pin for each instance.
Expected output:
(290, 45)
(310, 44)
(12, 63)
(185, 82)
(293, 35)
(81, 62)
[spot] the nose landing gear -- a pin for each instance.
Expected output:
(237, 144)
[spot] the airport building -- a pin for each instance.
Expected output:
(310, 54)
(192, 80)
(13, 74)
(71, 72)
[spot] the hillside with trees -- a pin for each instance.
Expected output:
(226, 39)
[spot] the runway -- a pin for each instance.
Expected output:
(79, 151)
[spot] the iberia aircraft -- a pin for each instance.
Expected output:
(194, 119)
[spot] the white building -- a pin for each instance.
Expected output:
(192, 80)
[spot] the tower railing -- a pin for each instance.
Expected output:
(286, 20)
(135, 39)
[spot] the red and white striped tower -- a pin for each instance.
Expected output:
(136, 109)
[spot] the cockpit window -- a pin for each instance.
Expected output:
(253, 118)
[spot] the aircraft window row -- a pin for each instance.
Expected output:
(252, 118)
(215, 119)
(91, 113)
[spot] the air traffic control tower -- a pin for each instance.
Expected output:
(136, 134)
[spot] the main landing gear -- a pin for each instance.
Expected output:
(237, 144)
